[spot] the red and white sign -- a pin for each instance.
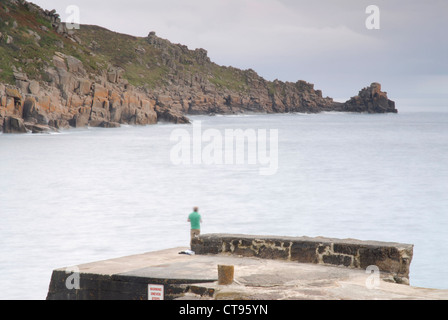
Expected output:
(155, 292)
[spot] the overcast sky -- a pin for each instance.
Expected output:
(324, 42)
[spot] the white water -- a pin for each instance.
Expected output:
(88, 195)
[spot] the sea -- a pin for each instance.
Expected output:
(84, 195)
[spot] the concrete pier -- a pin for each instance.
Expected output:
(257, 275)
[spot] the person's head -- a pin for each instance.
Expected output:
(195, 209)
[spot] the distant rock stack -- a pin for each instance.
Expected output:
(371, 100)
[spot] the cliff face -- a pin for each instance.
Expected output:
(52, 77)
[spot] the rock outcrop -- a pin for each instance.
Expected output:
(95, 77)
(371, 100)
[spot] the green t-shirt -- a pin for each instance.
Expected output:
(195, 220)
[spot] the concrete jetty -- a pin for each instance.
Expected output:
(265, 268)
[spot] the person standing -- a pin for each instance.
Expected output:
(195, 220)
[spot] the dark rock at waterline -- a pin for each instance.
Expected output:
(13, 124)
(38, 128)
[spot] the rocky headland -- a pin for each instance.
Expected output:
(52, 78)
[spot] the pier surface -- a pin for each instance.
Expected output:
(192, 277)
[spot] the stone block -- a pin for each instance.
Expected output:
(338, 259)
(346, 248)
(273, 252)
(304, 252)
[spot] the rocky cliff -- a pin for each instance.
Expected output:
(52, 77)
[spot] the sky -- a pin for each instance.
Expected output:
(325, 42)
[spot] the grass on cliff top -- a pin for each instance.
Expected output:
(140, 61)
(144, 64)
(229, 78)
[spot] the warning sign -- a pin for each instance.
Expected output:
(155, 292)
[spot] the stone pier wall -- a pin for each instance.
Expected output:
(392, 259)
(118, 287)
